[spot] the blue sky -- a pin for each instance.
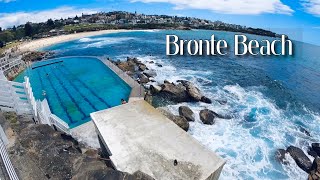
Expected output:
(300, 19)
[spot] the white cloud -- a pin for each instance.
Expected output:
(18, 18)
(230, 6)
(312, 6)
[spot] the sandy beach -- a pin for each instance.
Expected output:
(44, 42)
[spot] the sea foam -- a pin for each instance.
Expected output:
(250, 139)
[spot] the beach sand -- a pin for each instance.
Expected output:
(44, 42)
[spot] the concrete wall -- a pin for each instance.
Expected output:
(140, 138)
(137, 91)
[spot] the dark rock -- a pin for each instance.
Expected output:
(222, 102)
(312, 153)
(207, 116)
(150, 73)
(142, 67)
(174, 93)
(151, 62)
(178, 120)
(306, 132)
(148, 97)
(300, 158)
(205, 100)
(159, 65)
(154, 89)
(314, 173)
(36, 56)
(143, 79)
(127, 66)
(166, 81)
(280, 156)
(316, 147)
(186, 112)
(193, 92)
(183, 82)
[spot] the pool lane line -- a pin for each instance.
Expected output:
(41, 83)
(59, 98)
(102, 100)
(86, 99)
(83, 96)
(46, 64)
(69, 94)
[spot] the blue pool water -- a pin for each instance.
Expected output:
(271, 98)
(76, 87)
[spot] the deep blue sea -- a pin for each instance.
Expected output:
(272, 99)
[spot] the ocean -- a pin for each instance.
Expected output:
(273, 100)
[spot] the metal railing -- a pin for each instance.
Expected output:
(7, 163)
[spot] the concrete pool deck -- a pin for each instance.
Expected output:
(138, 137)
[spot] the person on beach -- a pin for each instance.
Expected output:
(123, 101)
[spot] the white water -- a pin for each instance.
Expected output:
(249, 140)
(103, 41)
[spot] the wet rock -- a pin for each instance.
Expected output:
(193, 92)
(316, 147)
(312, 153)
(315, 170)
(186, 112)
(36, 56)
(207, 116)
(150, 73)
(148, 97)
(166, 81)
(206, 100)
(178, 120)
(175, 93)
(127, 66)
(155, 89)
(300, 158)
(143, 79)
(280, 156)
(222, 102)
(142, 67)
(183, 82)
(151, 62)
(159, 65)
(306, 132)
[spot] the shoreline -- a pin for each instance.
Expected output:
(36, 45)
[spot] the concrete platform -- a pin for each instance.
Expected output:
(140, 138)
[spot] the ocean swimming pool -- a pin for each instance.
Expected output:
(76, 87)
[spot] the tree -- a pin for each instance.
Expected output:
(14, 28)
(1, 44)
(6, 36)
(50, 23)
(0, 29)
(28, 30)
